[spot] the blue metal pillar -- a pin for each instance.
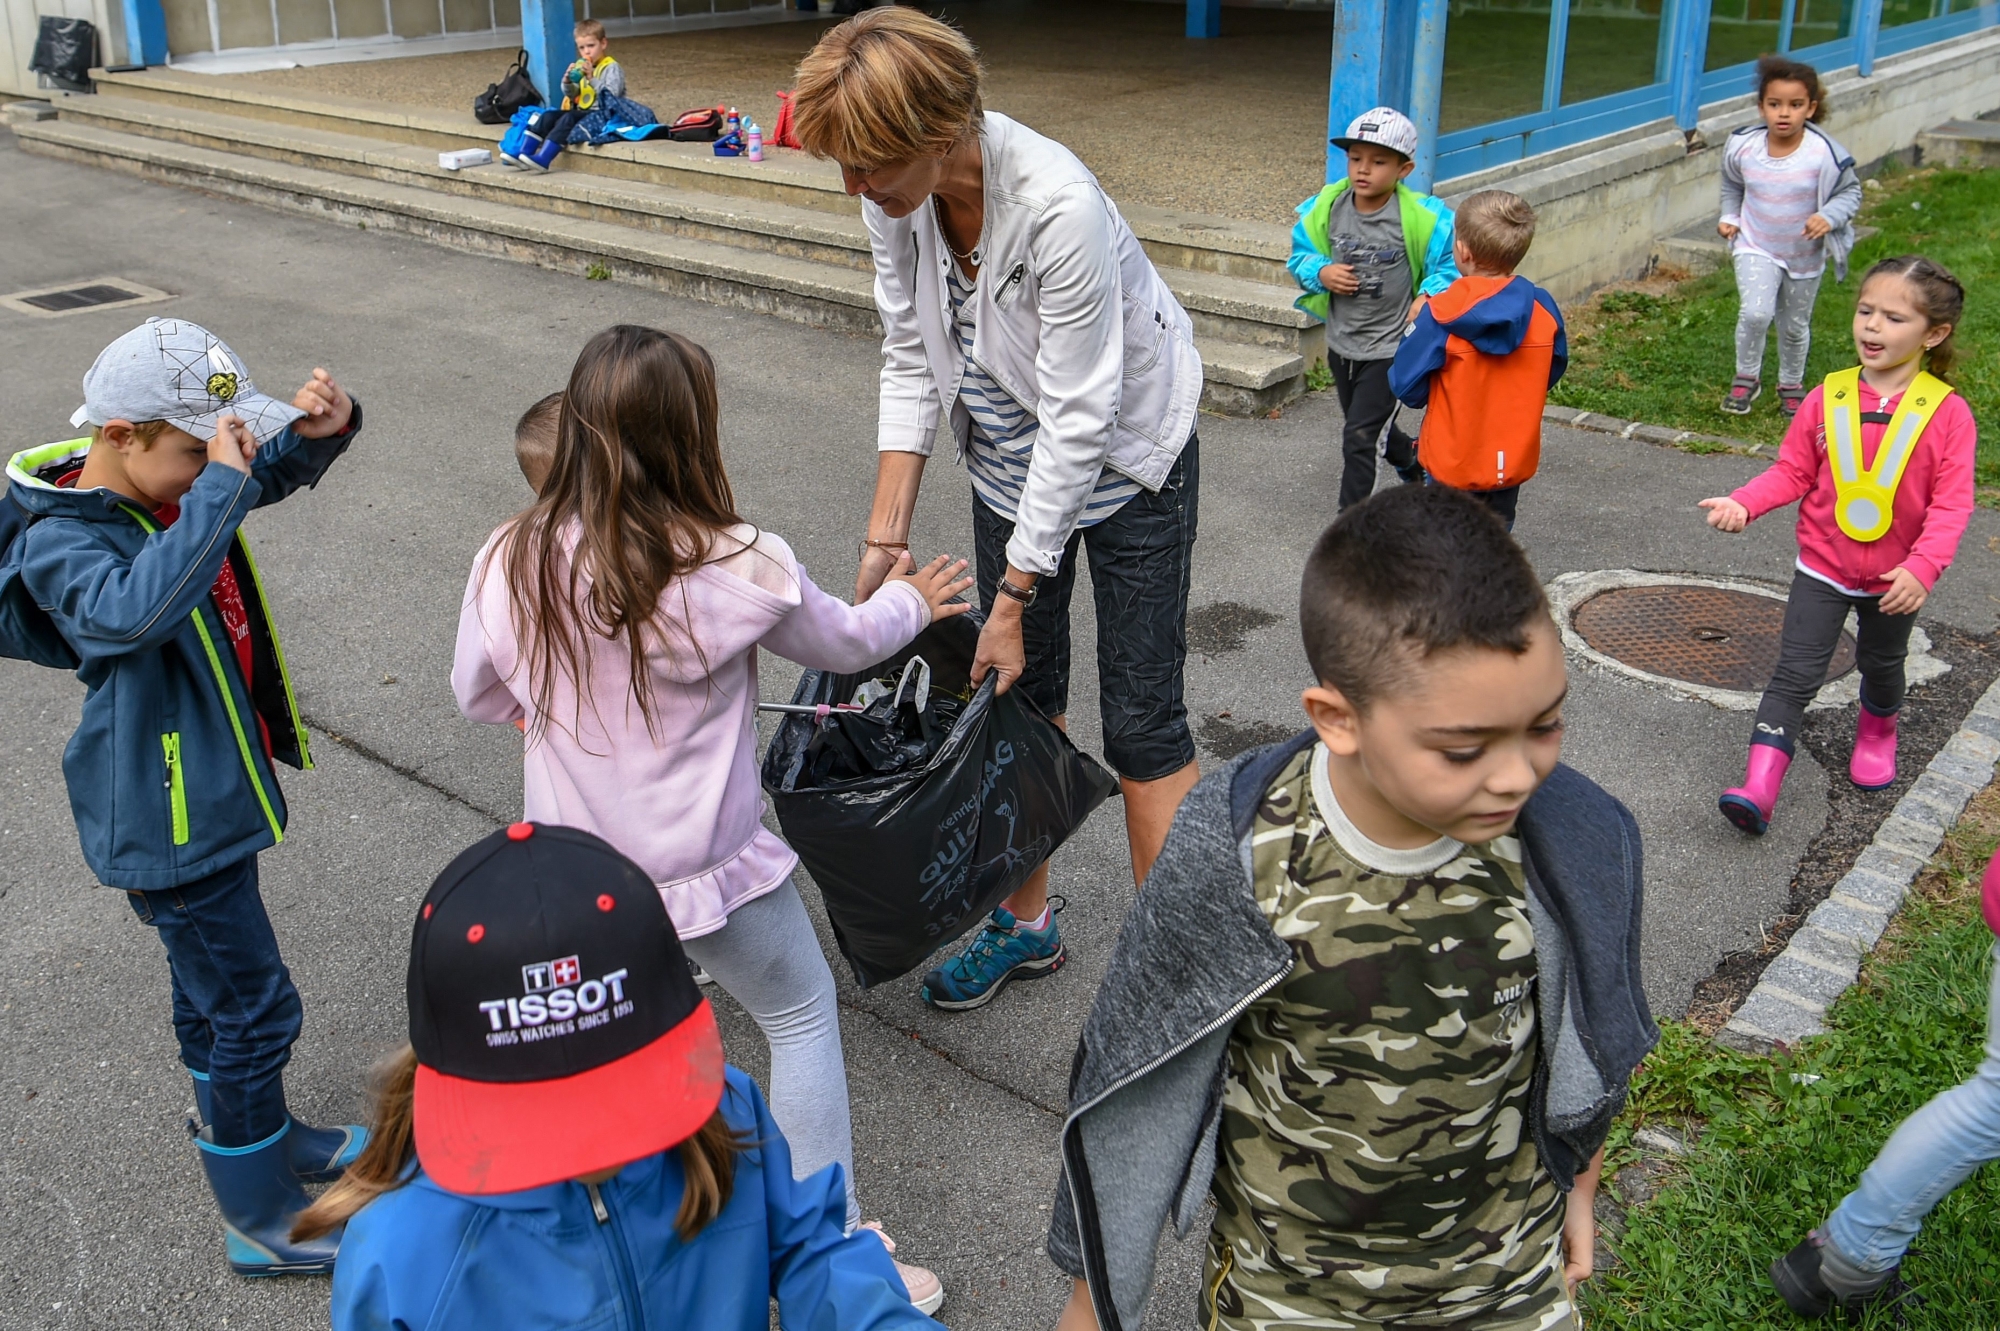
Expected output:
(1386, 53)
(1204, 18)
(1359, 28)
(145, 32)
(1690, 53)
(548, 31)
(1867, 28)
(1427, 85)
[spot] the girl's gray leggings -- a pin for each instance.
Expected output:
(768, 959)
(1766, 291)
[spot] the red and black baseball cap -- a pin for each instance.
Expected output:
(557, 1027)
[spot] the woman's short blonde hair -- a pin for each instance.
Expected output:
(889, 85)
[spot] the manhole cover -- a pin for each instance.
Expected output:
(1710, 636)
(98, 293)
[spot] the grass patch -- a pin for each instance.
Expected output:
(1663, 352)
(1774, 1152)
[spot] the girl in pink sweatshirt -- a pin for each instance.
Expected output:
(1880, 460)
(619, 618)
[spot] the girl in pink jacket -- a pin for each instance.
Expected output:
(619, 618)
(1880, 459)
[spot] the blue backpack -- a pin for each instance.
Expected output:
(26, 631)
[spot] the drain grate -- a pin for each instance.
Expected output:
(1710, 636)
(79, 298)
(99, 293)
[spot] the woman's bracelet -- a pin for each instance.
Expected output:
(869, 543)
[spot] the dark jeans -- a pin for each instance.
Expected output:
(236, 1013)
(1140, 558)
(1368, 408)
(1813, 619)
(1502, 502)
(555, 125)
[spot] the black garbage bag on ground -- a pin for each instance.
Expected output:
(65, 49)
(920, 814)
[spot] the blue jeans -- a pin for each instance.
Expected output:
(1934, 1151)
(236, 1013)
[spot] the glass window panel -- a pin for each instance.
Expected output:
(1494, 53)
(1896, 13)
(1822, 21)
(1613, 47)
(1740, 30)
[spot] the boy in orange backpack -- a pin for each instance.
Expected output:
(1482, 356)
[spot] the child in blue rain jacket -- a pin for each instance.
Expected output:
(563, 1146)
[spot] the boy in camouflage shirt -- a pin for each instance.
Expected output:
(1380, 995)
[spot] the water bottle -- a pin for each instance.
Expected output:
(754, 149)
(734, 125)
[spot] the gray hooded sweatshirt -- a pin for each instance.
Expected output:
(1139, 1142)
(1839, 188)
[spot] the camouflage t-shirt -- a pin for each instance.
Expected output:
(1374, 1164)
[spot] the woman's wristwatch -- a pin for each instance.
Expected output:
(1025, 595)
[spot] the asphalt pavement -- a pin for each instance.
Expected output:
(104, 1220)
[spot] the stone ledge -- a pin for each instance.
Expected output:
(1825, 954)
(1666, 436)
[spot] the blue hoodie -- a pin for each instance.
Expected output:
(424, 1259)
(168, 776)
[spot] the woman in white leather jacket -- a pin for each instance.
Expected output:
(1017, 304)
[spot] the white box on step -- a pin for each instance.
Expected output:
(459, 158)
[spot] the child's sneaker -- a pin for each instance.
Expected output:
(1811, 1290)
(926, 1291)
(1743, 390)
(1004, 949)
(1790, 398)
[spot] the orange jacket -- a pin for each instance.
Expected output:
(1482, 358)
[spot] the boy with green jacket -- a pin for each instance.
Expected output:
(1367, 268)
(132, 571)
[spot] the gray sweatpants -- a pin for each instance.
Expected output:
(768, 959)
(1766, 291)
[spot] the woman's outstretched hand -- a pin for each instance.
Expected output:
(937, 582)
(1725, 514)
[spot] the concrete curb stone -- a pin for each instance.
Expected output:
(1825, 954)
(1665, 436)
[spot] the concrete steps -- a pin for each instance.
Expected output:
(1960, 143)
(779, 236)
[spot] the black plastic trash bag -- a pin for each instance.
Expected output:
(65, 49)
(917, 817)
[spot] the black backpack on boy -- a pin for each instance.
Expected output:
(497, 105)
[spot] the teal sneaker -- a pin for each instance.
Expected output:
(1001, 951)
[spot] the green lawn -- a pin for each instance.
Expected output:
(1777, 1149)
(1666, 357)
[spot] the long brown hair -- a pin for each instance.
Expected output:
(708, 1159)
(1940, 298)
(638, 478)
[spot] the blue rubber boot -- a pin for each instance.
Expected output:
(540, 153)
(318, 1155)
(259, 1197)
(513, 143)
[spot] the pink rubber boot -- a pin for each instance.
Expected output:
(1874, 763)
(1751, 804)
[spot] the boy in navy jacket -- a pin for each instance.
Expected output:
(132, 572)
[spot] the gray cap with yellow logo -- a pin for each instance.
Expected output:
(178, 372)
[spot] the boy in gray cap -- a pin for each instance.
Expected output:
(1367, 267)
(132, 572)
